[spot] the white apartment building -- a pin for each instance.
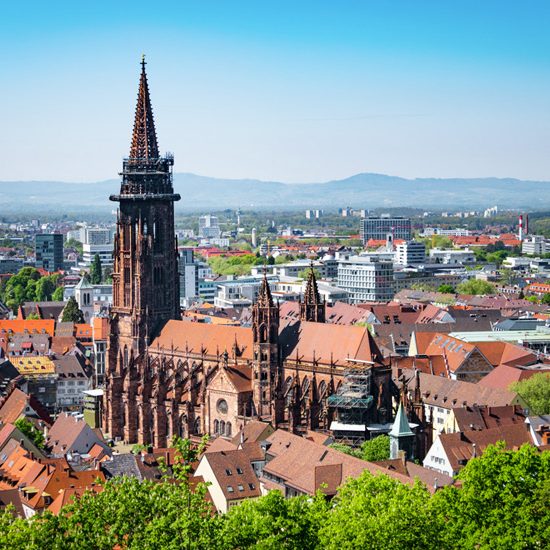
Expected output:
(367, 278)
(105, 252)
(410, 253)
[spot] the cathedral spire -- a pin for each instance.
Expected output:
(312, 308)
(144, 138)
(311, 295)
(264, 295)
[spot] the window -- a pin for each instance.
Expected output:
(240, 487)
(228, 472)
(221, 406)
(239, 471)
(251, 486)
(229, 489)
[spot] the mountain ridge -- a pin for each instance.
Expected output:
(362, 190)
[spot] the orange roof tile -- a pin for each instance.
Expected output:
(30, 325)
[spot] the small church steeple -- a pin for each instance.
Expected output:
(312, 308)
(401, 435)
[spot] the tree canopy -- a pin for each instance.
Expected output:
(535, 391)
(502, 503)
(476, 287)
(72, 313)
(28, 286)
(96, 271)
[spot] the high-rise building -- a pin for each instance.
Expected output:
(378, 228)
(145, 275)
(189, 276)
(49, 251)
(209, 227)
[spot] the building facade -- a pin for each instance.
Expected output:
(366, 279)
(378, 228)
(49, 251)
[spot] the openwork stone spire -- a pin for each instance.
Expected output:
(264, 296)
(312, 309)
(144, 139)
(311, 295)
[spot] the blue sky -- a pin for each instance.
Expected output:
(291, 91)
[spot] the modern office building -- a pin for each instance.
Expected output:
(49, 251)
(379, 227)
(367, 278)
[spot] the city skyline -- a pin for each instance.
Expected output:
(285, 93)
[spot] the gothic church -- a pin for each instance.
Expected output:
(166, 376)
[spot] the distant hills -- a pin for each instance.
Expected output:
(364, 190)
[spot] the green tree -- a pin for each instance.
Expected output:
(545, 298)
(378, 513)
(475, 287)
(304, 274)
(446, 289)
(45, 287)
(57, 296)
(274, 522)
(502, 503)
(96, 271)
(375, 449)
(535, 391)
(21, 287)
(27, 428)
(72, 313)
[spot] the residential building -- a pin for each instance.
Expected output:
(366, 278)
(70, 435)
(49, 251)
(230, 477)
(441, 395)
(450, 452)
(74, 378)
(313, 214)
(378, 228)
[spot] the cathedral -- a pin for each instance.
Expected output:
(167, 376)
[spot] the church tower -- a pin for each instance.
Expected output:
(145, 274)
(265, 328)
(312, 308)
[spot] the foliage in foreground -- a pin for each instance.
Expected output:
(503, 504)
